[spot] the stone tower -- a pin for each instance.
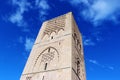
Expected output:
(57, 53)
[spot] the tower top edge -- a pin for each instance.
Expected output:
(58, 16)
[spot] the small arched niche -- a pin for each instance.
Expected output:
(60, 32)
(53, 34)
(46, 37)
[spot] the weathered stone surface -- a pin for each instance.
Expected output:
(57, 53)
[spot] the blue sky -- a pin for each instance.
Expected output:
(98, 21)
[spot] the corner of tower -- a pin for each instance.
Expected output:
(69, 12)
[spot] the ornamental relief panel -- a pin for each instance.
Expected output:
(47, 59)
(54, 26)
(77, 42)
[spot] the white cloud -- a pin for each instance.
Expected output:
(78, 2)
(110, 67)
(29, 43)
(75, 2)
(42, 4)
(101, 10)
(101, 65)
(17, 17)
(20, 39)
(94, 62)
(44, 8)
(22, 6)
(88, 41)
(96, 11)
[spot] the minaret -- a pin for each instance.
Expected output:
(57, 53)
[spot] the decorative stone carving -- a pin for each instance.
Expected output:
(28, 78)
(78, 67)
(55, 25)
(47, 56)
(77, 42)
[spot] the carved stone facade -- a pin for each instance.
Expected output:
(55, 25)
(57, 53)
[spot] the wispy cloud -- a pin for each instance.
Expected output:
(101, 65)
(43, 4)
(28, 44)
(78, 2)
(94, 62)
(110, 67)
(97, 11)
(20, 39)
(24, 6)
(17, 17)
(44, 8)
(102, 10)
(88, 41)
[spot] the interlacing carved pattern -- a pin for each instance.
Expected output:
(47, 57)
(28, 78)
(55, 25)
